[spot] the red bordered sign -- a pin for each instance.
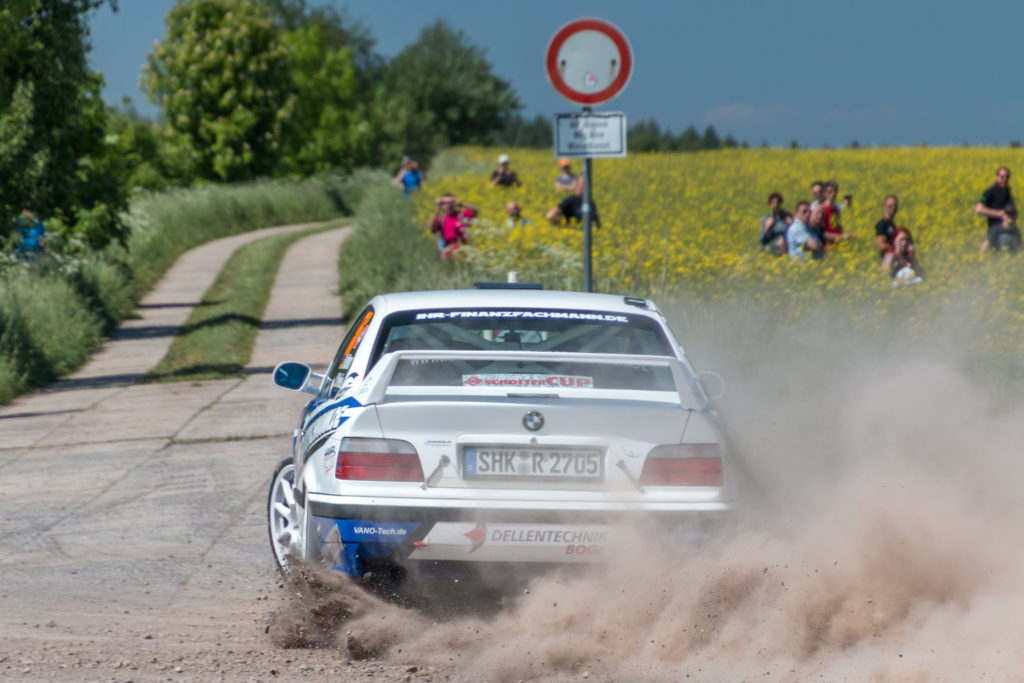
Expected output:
(589, 61)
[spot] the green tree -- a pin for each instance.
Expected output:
(153, 161)
(400, 129)
(337, 30)
(690, 140)
(450, 85)
(646, 136)
(710, 139)
(223, 81)
(520, 131)
(327, 128)
(53, 151)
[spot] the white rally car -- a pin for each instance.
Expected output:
(456, 430)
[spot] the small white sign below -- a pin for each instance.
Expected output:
(590, 135)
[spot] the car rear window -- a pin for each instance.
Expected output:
(544, 376)
(522, 329)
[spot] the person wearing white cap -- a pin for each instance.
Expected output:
(503, 175)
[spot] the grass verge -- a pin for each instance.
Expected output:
(217, 339)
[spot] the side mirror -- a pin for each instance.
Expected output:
(294, 377)
(714, 385)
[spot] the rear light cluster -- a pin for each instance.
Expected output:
(378, 460)
(688, 464)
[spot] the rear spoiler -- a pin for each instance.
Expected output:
(375, 385)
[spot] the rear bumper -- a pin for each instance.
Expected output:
(355, 534)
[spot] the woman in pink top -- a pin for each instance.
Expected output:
(450, 222)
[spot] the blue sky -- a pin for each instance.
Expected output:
(824, 72)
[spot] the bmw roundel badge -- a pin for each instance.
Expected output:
(533, 420)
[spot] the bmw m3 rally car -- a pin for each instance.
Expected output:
(460, 430)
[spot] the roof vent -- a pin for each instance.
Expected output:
(507, 285)
(636, 301)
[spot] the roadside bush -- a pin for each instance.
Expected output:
(46, 330)
(10, 380)
(103, 287)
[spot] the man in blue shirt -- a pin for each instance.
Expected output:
(410, 177)
(799, 237)
(31, 231)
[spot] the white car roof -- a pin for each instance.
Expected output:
(512, 298)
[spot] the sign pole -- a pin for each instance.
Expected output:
(588, 212)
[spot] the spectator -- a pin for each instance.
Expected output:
(884, 228)
(1007, 236)
(774, 225)
(901, 259)
(833, 215)
(410, 178)
(571, 208)
(800, 236)
(503, 175)
(451, 223)
(993, 203)
(818, 192)
(31, 233)
(515, 216)
(816, 224)
(566, 179)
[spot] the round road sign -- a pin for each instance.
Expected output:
(589, 61)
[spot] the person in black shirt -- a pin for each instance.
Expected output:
(774, 225)
(503, 176)
(992, 205)
(885, 228)
(571, 208)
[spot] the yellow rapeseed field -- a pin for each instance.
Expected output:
(687, 224)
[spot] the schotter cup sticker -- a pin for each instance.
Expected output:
(524, 380)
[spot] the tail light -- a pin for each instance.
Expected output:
(378, 460)
(688, 464)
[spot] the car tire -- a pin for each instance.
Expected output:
(284, 515)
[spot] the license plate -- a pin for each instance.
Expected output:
(533, 463)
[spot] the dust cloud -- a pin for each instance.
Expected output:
(880, 540)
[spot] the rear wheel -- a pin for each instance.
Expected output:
(284, 516)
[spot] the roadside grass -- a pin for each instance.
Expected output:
(217, 339)
(31, 308)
